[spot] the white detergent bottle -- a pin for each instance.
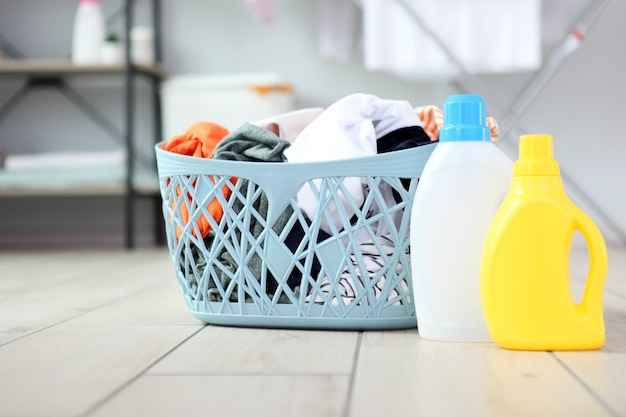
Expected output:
(89, 33)
(459, 192)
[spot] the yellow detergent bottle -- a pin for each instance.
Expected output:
(525, 279)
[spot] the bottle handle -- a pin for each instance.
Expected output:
(598, 266)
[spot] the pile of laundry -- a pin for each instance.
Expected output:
(355, 126)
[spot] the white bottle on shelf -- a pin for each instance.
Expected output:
(459, 192)
(89, 33)
(142, 45)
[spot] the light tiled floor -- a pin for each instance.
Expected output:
(106, 333)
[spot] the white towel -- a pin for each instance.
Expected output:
(487, 36)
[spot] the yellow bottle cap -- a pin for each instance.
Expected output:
(536, 156)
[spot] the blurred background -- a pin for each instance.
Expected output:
(323, 50)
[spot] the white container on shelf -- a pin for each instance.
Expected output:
(111, 52)
(89, 32)
(227, 99)
(142, 45)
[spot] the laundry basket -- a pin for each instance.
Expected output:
(265, 263)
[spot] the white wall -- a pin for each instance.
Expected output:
(581, 106)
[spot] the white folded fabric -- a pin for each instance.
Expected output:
(65, 159)
(487, 36)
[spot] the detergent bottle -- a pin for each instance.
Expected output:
(460, 189)
(525, 281)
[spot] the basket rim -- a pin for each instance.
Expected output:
(408, 163)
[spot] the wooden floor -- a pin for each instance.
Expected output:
(106, 333)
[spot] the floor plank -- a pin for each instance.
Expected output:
(162, 305)
(460, 379)
(230, 396)
(67, 370)
(39, 308)
(239, 351)
(32, 271)
(604, 371)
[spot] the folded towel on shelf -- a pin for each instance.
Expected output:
(64, 159)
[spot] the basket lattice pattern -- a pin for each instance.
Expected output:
(265, 257)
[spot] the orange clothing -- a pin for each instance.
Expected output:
(199, 140)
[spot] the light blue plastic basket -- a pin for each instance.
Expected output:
(246, 274)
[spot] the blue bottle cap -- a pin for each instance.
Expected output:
(464, 118)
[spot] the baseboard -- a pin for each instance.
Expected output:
(73, 239)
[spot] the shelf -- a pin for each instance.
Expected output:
(51, 68)
(111, 180)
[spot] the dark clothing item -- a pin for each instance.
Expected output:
(403, 138)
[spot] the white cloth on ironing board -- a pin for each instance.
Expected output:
(487, 36)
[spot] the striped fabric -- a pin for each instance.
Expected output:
(356, 280)
(432, 119)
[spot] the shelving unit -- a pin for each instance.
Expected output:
(58, 68)
(131, 180)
